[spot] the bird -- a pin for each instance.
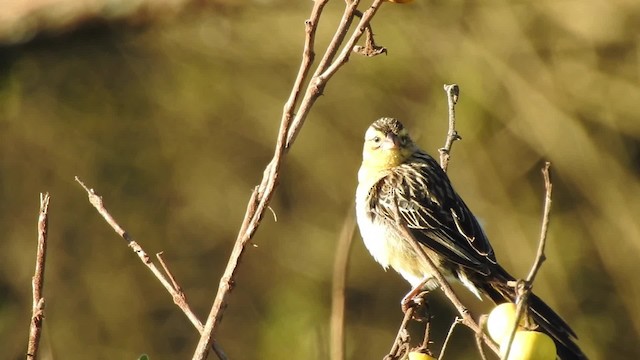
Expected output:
(403, 191)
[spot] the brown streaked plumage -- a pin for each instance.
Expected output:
(395, 172)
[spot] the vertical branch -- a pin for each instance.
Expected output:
(453, 91)
(340, 267)
(35, 330)
(325, 72)
(446, 339)
(308, 56)
(525, 287)
(540, 255)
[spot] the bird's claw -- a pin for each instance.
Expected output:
(416, 302)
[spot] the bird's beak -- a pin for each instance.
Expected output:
(391, 142)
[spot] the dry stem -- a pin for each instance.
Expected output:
(35, 329)
(453, 92)
(446, 340)
(289, 128)
(171, 285)
(401, 341)
(527, 285)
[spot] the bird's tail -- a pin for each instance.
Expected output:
(548, 320)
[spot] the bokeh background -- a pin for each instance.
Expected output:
(172, 115)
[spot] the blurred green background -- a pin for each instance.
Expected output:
(174, 120)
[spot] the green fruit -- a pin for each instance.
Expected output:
(501, 321)
(415, 355)
(530, 345)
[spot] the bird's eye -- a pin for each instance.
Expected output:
(376, 140)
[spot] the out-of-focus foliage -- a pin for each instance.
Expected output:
(174, 123)
(21, 21)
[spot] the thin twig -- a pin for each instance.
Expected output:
(446, 340)
(527, 286)
(308, 56)
(37, 282)
(324, 73)
(176, 293)
(172, 278)
(350, 10)
(401, 339)
(426, 340)
(453, 92)
(482, 322)
(289, 128)
(540, 256)
(340, 267)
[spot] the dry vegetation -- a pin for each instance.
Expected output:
(174, 123)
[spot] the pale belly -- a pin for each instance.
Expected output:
(390, 250)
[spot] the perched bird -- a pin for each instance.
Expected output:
(398, 179)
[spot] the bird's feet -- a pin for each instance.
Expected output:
(418, 304)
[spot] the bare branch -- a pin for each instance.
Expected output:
(453, 92)
(524, 289)
(540, 256)
(170, 284)
(308, 56)
(289, 128)
(172, 278)
(482, 321)
(37, 283)
(401, 342)
(457, 321)
(324, 72)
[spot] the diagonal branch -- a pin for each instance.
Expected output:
(170, 284)
(324, 72)
(467, 319)
(289, 128)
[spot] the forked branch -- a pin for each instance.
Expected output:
(169, 282)
(290, 126)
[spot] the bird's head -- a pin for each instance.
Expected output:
(386, 144)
